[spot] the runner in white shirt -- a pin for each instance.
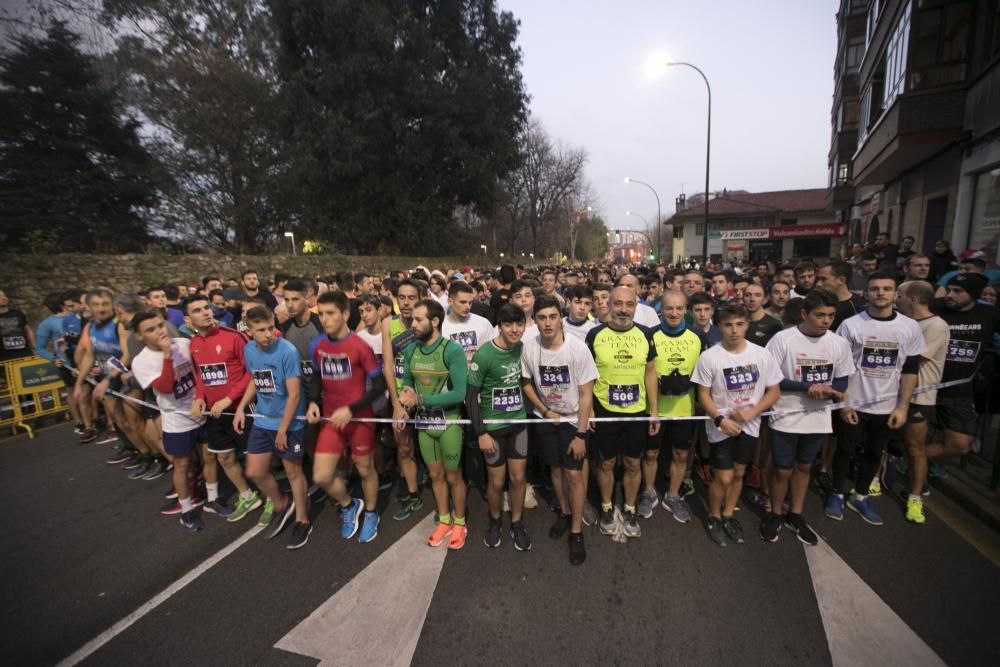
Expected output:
(461, 325)
(522, 296)
(165, 365)
(816, 365)
(886, 347)
(737, 381)
(579, 305)
(558, 374)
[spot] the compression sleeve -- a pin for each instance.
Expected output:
(165, 383)
(472, 408)
(912, 365)
(315, 387)
(373, 393)
(840, 384)
(458, 371)
(793, 385)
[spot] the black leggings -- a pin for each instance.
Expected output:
(872, 431)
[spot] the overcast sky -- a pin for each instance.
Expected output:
(770, 64)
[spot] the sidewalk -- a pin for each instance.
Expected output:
(969, 488)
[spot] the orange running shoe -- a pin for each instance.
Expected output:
(457, 540)
(440, 534)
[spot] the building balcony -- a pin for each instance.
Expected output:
(913, 129)
(840, 196)
(844, 143)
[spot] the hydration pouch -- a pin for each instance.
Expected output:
(675, 384)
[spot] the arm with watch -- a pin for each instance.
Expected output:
(728, 426)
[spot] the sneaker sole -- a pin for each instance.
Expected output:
(357, 521)
(457, 545)
(647, 515)
(149, 478)
(671, 513)
(137, 474)
(287, 514)
(863, 517)
(371, 537)
(771, 541)
(292, 547)
(439, 542)
(516, 546)
(799, 536)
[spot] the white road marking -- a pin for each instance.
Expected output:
(861, 629)
(100, 640)
(399, 602)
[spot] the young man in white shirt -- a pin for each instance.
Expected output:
(462, 325)
(816, 365)
(579, 305)
(737, 381)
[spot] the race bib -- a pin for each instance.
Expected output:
(962, 351)
(305, 368)
(214, 375)
(741, 378)
(879, 358)
(14, 343)
(430, 418)
(467, 339)
(623, 395)
(263, 381)
(553, 376)
(398, 368)
(335, 367)
(815, 373)
(506, 399)
(183, 386)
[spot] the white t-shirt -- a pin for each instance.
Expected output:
(814, 360)
(936, 338)
(879, 348)
(578, 330)
(736, 381)
(176, 406)
(558, 374)
(374, 341)
(646, 316)
(471, 333)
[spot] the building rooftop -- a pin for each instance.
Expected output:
(751, 203)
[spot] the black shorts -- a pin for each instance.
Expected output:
(67, 377)
(920, 414)
(957, 414)
(149, 412)
(730, 452)
(554, 441)
(614, 438)
(672, 435)
(511, 444)
(221, 436)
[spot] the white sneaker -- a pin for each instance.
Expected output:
(530, 501)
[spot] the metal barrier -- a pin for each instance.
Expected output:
(32, 388)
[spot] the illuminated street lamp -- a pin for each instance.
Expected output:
(659, 215)
(291, 236)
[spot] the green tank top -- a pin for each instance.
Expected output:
(430, 370)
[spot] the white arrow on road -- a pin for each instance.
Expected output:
(394, 591)
(861, 629)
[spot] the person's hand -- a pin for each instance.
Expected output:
(552, 416)
(741, 416)
(400, 416)
(95, 371)
(487, 444)
(819, 391)
(730, 427)
(341, 417)
(239, 419)
(281, 440)
(849, 416)
(897, 417)
(577, 449)
(58, 363)
(220, 406)
(197, 408)
(654, 425)
(313, 414)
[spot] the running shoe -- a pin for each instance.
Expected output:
(752, 477)
(191, 521)
(677, 507)
(915, 510)
(632, 528)
(797, 524)
(244, 506)
(824, 483)
(875, 488)
(687, 487)
(410, 504)
(219, 507)
(316, 494)
(119, 456)
(440, 535)
(155, 471)
(140, 471)
(607, 521)
(863, 506)
(589, 514)
(760, 499)
(648, 500)
(300, 535)
(936, 470)
(834, 506)
(457, 539)
(265, 517)
(520, 536)
(770, 526)
(733, 529)
(171, 507)
(714, 528)
(171, 494)
(137, 460)
(560, 526)
(350, 516)
(79, 428)
(369, 529)
(492, 536)
(109, 437)
(577, 549)
(280, 519)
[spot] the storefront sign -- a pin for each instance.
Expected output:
(743, 234)
(803, 231)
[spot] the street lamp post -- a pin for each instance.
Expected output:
(291, 236)
(708, 153)
(484, 249)
(659, 215)
(645, 222)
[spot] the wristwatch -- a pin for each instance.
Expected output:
(582, 435)
(718, 421)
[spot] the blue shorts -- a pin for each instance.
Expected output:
(261, 441)
(182, 444)
(790, 448)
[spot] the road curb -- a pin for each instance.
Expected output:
(971, 495)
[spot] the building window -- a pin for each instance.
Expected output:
(699, 229)
(853, 55)
(872, 23)
(843, 173)
(984, 231)
(789, 222)
(895, 60)
(941, 41)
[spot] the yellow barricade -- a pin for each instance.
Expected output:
(32, 388)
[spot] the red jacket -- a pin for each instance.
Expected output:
(219, 371)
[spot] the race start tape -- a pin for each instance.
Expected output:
(439, 423)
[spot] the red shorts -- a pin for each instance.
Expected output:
(358, 436)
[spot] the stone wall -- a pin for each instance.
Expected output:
(28, 278)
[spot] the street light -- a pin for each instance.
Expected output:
(659, 215)
(484, 249)
(291, 236)
(708, 152)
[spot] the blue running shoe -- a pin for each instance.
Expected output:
(350, 515)
(369, 529)
(835, 506)
(863, 506)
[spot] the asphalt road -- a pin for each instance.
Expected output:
(84, 547)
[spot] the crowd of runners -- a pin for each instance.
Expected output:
(598, 390)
